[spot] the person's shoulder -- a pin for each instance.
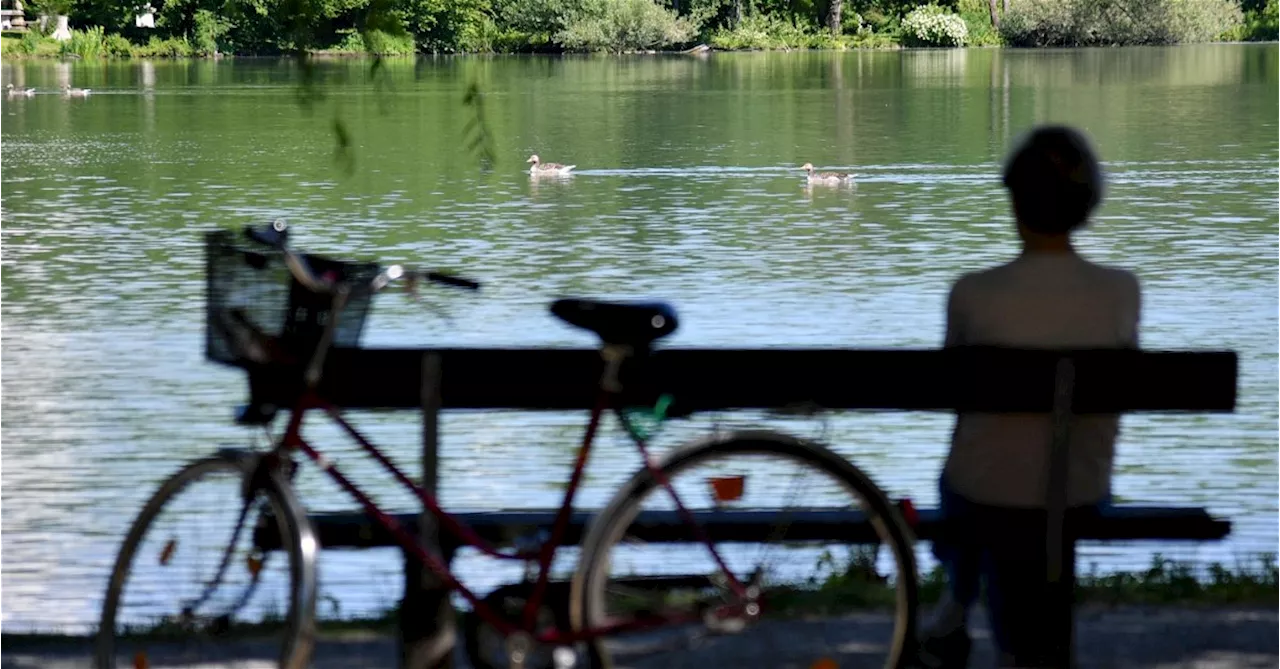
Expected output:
(1117, 277)
(981, 279)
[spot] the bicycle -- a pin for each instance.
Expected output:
(268, 305)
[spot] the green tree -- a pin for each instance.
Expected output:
(114, 16)
(445, 25)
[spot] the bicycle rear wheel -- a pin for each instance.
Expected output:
(192, 584)
(828, 559)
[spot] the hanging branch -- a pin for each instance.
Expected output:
(480, 142)
(309, 94)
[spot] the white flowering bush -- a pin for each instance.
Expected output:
(931, 25)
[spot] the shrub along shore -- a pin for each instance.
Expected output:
(201, 28)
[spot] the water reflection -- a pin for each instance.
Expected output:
(539, 180)
(845, 188)
(62, 75)
(941, 66)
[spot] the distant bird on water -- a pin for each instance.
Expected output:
(826, 177)
(75, 92)
(19, 92)
(540, 168)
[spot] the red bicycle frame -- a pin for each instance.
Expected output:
(292, 440)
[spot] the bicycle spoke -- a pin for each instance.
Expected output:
(190, 587)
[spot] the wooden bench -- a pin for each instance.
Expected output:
(1062, 383)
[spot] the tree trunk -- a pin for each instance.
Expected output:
(1005, 6)
(995, 13)
(737, 13)
(63, 32)
(833, 17)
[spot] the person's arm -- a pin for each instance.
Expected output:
(955, 317)
(1131, 312)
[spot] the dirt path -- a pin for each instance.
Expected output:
(1130, 638)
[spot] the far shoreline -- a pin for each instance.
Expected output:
(701, 51)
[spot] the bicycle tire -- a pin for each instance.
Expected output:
(592, 575)
(297, 538)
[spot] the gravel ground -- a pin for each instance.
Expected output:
(1129, 637)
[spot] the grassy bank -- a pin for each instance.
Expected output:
(1166, 582)
(94, 44)
(630, 26)
(853, 586)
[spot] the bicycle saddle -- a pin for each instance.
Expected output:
(628, 323)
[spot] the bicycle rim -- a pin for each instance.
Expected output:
(826, 591)
(190, 586)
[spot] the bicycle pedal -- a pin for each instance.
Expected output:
(564, 658)
(725, 625)
(519, 645)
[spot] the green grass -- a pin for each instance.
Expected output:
(93, 44)
(855, 586)
(1171, 582)
(1165, 582)
(30, 45)
(774, 33)
(977, 18)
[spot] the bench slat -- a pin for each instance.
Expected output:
(972, 379)
(354, 530)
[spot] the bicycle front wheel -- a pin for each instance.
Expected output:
(825, 562)
(213, 577)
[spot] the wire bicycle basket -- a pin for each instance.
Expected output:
(256, 313)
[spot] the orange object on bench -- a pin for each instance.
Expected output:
(728, 488)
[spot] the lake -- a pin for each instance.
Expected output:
(687, 189)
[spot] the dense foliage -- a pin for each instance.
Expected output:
(106, 28)
(1118, 22)
(1261, 21)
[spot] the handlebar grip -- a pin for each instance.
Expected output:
(450, 280)
(275, 234)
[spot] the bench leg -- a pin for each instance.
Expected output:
(428, 630)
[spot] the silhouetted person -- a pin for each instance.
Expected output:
(993, 485)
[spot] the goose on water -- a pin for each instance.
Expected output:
(539, 168)
(19, 92)
(826, 177)
(75, 92)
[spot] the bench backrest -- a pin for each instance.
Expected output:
(973, 379)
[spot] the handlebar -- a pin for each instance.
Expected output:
(276, 235)
(450, 280)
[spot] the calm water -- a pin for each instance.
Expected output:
(688, 190)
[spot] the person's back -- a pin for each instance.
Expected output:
(1049, 297)
(1042, 299)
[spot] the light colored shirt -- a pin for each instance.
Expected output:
(1049, 301)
